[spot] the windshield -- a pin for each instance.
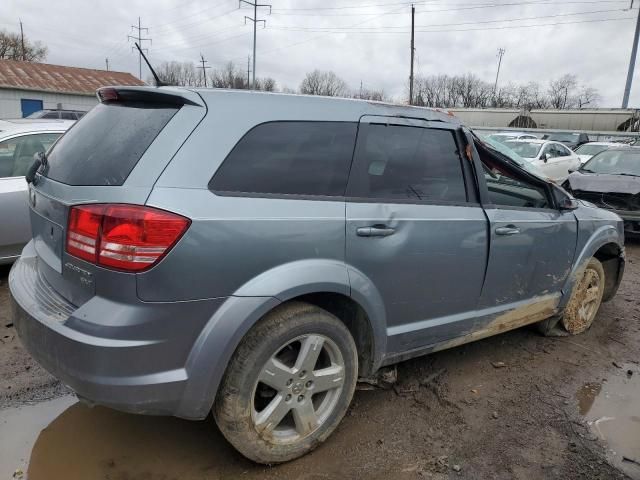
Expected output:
(563, 137)
(502, 137)
(615, 162)
(587, 149)
(508, 152)
(525, 149)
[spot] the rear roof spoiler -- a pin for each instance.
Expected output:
(145, 94)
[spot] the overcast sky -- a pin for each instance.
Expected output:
(362, 40)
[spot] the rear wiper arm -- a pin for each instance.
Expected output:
(39, 160)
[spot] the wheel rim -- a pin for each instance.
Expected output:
(587, 302)
(298, 388)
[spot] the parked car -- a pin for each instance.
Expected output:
(506, 136)
(254, 254)
(588, 150)
(19, 141)
(611, 180)
(570, 139)
(520, 161)
(58, 114)
(553, 158)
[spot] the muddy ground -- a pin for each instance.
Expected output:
(552, 408)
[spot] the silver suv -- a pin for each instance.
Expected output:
(254, 254)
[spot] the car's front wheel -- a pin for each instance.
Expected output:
(288, 384)
(585, 299)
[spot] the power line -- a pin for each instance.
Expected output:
(458, 8)
(504, 27)
(139, 38)
(255, 21)
(385, 27)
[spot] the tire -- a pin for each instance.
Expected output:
(281, 396)
(585, 300)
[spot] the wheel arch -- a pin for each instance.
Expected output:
(324, 283)
(605, 245)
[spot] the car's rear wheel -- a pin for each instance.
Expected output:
(288, 384)
(585, 299)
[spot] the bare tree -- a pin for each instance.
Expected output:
(323, 83)
(11, 48)
(179, 73)
(588, 96)
(562, 92)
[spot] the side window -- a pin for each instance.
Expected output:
(68, 115)
(549, 150)
(395, 162)
(562, 151)
(290, 158)
(49, 115)
(16, 154)
(509, 189)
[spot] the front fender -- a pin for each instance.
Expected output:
(600, 237)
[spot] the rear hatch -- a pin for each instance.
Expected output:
(112, 156)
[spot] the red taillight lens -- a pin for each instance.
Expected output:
(124, 237)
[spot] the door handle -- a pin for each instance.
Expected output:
(508, 230)
(375, 231)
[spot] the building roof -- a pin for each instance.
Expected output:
(59, 79)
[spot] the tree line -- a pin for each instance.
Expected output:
(12, 47)
(445, 91)
(469, 91)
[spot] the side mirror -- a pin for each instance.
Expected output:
(545, 157)
(572, 170)
(568, 203)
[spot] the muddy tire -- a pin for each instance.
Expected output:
(288, 384)
(585, 300)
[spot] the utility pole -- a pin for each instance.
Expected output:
(204, 70)
(255, 21)
(495, 85)
(413, 17)
(24, 57)
(632, 62)
(106, 60)
(139, 38)
(248, 70)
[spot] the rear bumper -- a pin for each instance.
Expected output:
(131, 357)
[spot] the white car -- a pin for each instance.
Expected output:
(553, 158)
(588, 150)
(20, 140)
(507, 136)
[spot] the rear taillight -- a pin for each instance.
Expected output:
(124, 237)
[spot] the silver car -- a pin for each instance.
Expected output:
(20, 140)
(254, 254)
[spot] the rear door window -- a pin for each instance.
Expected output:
(106, 145)
(289, 158)
(394, 162)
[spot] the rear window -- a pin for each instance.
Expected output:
(289, 158)
(106, 145)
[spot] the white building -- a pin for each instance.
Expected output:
(26, 87)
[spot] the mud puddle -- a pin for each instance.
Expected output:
(612, 410)
(19, 428)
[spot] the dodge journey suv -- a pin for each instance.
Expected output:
(252, 255)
